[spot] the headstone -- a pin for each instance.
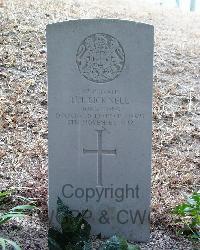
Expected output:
(100, 123)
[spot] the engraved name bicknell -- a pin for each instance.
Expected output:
(100, 58)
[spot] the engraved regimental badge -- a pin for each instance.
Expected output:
(100, 58)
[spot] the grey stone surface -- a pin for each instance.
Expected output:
(100, 123)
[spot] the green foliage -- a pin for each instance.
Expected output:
(189, 214)
(74, 233)
(5, 242)
(16, 212)
(4, 195)
(115, 243)
(118, 243)
(133, 247)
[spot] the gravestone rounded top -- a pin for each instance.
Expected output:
(100, 58)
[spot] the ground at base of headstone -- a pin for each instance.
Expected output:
(31, 234)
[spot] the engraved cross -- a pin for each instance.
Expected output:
(100, 152)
